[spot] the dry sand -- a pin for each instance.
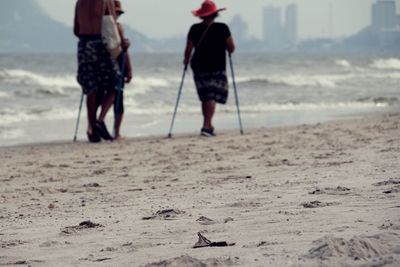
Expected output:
(311, 195)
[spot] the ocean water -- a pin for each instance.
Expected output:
(39, 95)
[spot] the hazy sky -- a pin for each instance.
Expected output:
(165, 18)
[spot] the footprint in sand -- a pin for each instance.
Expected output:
(395, 189)
(11, 243)
(318, 204)
(167, 214)
(340, 190)
(82, 226)
(205, 221)
(389, 225)
(394, 182)
(359, 250)
(48, 244)
(189, 261)
(391, 181)
(92, 185)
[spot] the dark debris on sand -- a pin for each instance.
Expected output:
(204, 242)
(340, 190)
(82, 226)
(317, 204)
(167, 214)
(391, 181)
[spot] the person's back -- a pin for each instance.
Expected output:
(210, 43)
(88, 16)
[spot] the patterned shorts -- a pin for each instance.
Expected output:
(96, 69)
(212, 86)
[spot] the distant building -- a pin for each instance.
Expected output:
(291, 24)
(272, 27)
(279, 34)
(385, 23)
(384, 15)
(240, 29)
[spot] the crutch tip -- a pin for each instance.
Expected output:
(169, 135)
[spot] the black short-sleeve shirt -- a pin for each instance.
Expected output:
(210, 54)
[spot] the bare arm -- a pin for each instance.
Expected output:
(188, 52)
(128, 67)
(230, 45)
(76, 24)
(125, 43)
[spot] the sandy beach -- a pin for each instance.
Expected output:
(311, 195)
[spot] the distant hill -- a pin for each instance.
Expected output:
(26, 28)
(143, 44)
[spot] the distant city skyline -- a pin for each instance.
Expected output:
(384, 15)
(280, 26)
(316, 18)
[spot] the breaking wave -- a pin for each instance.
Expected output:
(367, 103)
(49, 85)
(343, 63)
(325, 81)
(386, 64)
(9, 116)
(24, 77)
(142, 85)
(4, 95)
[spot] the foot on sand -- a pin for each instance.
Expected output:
(207, 132)
(101, 128)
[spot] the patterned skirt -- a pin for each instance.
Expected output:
(96, 69)
(212, 86)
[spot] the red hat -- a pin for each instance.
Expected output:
(118, 7)
(207, 9)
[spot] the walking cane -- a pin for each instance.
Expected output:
(177, 101)
(79, 116)
(236, 94)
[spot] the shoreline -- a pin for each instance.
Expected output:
(305, 195)
(185, 120)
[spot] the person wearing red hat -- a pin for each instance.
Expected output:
(210, 40)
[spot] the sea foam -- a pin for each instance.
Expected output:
(390, 63)
(324, 81)
(24, 77)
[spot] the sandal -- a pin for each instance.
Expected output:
(93, 137)
(101, 128)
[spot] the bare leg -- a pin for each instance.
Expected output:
(107, 103)
(91, 103)
(117, 126)
(208, 108)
